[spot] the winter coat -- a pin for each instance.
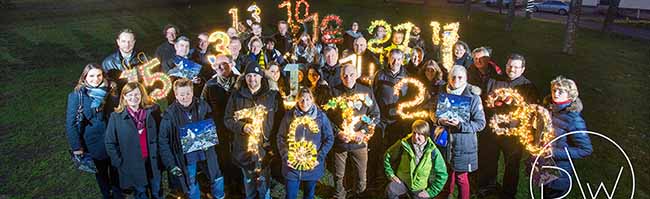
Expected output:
(385, 94)
(88, 134)
(322, 140)
(466, 60)
(475, 77)
(567, 118)
(242, 99)
(331, 74)
(283, 42)
(521, 84)
(429, 174)
(461, 151)
(123, 146)
(335, 115)
(113, 66)
(165, 51)
(217, 97)
(171, 149)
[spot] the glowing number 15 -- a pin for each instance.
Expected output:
(150, 78)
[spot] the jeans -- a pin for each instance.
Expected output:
(140, 192)
(257, 188)
(294, 185)
(216, 186)
(360, 162)
(107, 179)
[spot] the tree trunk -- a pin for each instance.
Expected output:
(511, 16)
(468, 9)
(572, 27)
(500, 6)
(529, 8)
(612, 12)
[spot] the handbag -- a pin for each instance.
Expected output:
(82, 162)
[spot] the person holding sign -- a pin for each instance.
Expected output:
(180, 161)
(461, 153)
(303, 146)
(131, 141)
(352, 142)
(254, 163)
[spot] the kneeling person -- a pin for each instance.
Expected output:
(414, 165)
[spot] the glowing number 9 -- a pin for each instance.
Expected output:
(221, 41)
(374, 44)
(302, 154)
(331, 35)
(412, 103)
(150, 78)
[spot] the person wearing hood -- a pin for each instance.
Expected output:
(462, 55)
(132, 142)
(255, 167)
(88, 108)
(320, 138)
(491, 145)
(461, 151)
(566, 108)
(187, 109)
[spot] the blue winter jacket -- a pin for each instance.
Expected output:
(89, 132)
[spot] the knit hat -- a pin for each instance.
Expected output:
(253, 67)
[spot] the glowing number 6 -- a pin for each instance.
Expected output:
(149, 79)
(331, 35)
(302, 154)
(412, 103)
(221, 40)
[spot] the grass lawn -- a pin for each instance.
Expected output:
(44, 44)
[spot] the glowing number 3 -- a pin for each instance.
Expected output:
(412, 103)
(255, 12)
(302, 154)
(221, 40)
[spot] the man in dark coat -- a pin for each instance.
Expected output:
(331, 69)
(355, 147)
(239, 60)
(360, 48)
(217, 92)
(491, 145)
(185, 110)
(114, 64)
(254, 164)
(166, 49)
(200, 56)
(482, 69)
(283, 38)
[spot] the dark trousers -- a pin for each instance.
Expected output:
(294, 185)
(107, 179)
(490, 148)
(383, 138)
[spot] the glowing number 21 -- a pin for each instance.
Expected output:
(413, 103)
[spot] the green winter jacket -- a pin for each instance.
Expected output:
(430, 174)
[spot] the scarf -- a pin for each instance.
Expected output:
(139, 117)
(458, 91)
(191, 113)
(353, 34)
(311, 112)
(225, 82)
(97, 94)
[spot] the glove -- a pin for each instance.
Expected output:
(176, 172)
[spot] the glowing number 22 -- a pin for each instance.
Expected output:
(412, 103)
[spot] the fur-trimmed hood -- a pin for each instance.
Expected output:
(575, 106)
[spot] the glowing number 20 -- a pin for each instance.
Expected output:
(412, 103)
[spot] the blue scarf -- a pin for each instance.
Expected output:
(97, 95)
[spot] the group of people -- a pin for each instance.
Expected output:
(134, 143)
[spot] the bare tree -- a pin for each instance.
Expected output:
(572, 27)
(511, 16)
(468, 9)
(612, 12)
